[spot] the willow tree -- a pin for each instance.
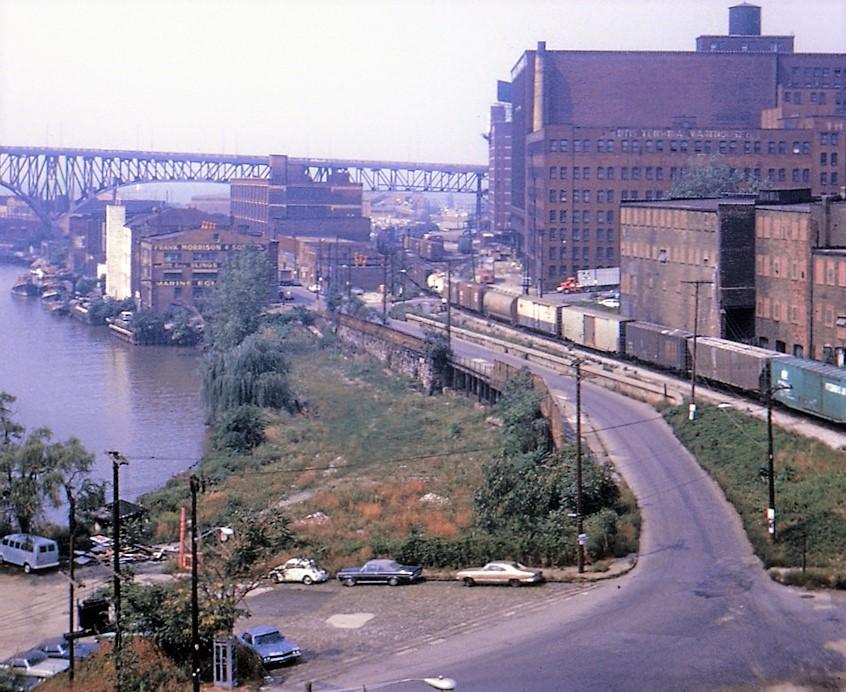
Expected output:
(256, 372)
(34, 469)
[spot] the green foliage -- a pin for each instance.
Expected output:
(437, 350)
(530, 491)
(33, 470)
(182, 331)
(810, 483)
(240, 430)
(716, 178)
(254, 372)
(240, 295)
(149, 328)
(525, 430)
(100, 309)
(84, 286)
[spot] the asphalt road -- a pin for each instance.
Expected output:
(698, 612)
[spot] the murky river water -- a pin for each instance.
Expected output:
(79, 380)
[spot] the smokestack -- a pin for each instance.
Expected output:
(539, 100)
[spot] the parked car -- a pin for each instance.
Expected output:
(266, 642)
(314, 288)
(299, 569)
(35, 664)
(59, 647)
(29, 551)
(286, 294)
(511, 573)
(388, 572)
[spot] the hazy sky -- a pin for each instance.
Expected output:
(403, 80)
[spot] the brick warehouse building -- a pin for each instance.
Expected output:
(593, 128)
(774, 269)
(290, 204)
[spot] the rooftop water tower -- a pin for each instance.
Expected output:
(745, 20)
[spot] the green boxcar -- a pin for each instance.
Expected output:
(815, 388)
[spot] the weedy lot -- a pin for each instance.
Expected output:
(372, 457)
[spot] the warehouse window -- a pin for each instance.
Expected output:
(562, 172)
(798, 351)
(662, 256)
(609, 146)
(585, 173)
(553, 172)
(552, 195)
(840, 321)
(609, 173)
(562, 195)
(564, 145)
(553, 145)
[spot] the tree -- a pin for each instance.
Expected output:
(525, 430)
(240, 430)
(240, 295)
(715, 178)
(148, 327)
(34, 470)
(254, 372)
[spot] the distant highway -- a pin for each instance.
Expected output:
(698, 611)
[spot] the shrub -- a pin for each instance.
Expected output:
(240, 430)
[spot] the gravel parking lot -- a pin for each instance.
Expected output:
(336, 625)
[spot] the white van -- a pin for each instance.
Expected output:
(29, 551)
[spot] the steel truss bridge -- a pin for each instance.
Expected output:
(53, 181)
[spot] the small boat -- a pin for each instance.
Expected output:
(24, 286)
(59, 307)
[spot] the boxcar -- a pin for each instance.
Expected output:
(539, 314)
(470, 296)
(602, 331)
(500, 305)
(815, 388)
(737, 365)
(658, 345)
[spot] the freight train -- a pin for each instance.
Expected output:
(805, 385)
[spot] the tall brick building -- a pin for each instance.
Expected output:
(291, 204)
(590, 129)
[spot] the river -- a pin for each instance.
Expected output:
(143, 401)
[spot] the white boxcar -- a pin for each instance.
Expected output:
(603, 331)
(539, 314)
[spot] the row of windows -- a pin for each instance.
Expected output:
(560, 216)
(606, 234)
(634, 195)
(826, 159)
(683, 146)
(580, 251)
(796, 97)
(828, 138)
(816, 76)
(602, 196)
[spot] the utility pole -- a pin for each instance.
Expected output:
(771, 510)
(195, 606)
(118, 460)
(692, 406)
(580, 528)
(71, 595)
(385, 289)
(449, 305)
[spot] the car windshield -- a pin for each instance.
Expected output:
(269, 638)
(34, 657)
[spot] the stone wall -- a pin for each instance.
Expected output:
(402, 353)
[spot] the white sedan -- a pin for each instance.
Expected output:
(300, 570)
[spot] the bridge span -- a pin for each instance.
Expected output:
(55, 180)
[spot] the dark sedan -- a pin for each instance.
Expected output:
(388, 572)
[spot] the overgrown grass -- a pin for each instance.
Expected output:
(810, 484)
(373, 457)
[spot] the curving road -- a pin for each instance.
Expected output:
(698, 612)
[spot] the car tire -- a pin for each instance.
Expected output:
(349, 581)
(393, 581)
(307, 580)
(468, 582)
(27, 568)
(514, 582)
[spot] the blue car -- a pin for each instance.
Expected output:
(388, 572)
(269, 645)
